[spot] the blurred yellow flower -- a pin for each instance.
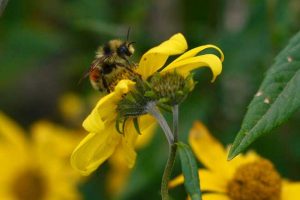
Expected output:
(37, 167)
(71, 107)
(103, 138)
(247, 177)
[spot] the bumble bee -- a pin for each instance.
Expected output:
(111, 64)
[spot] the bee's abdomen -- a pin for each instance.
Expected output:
(107, 68)
(95, 74)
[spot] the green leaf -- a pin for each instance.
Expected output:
(276, 100)
(190, 171)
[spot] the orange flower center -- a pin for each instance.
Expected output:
(257, 180)
(29, 185)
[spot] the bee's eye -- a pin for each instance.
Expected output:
(123, 50)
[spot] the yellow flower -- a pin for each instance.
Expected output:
(37, 168)
(71, 107)
(247, 177)
(103, 138)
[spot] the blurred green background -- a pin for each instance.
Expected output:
(46, 46)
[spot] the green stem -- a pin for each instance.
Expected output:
(172, 157)
(172, 138)
(175, 122)
(154, 111)
(168, 171)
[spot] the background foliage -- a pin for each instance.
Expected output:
(46, 46)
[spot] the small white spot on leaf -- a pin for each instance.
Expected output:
(259, 93)
(289, 59)
(267, 100)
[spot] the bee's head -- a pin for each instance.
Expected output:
(126, 49)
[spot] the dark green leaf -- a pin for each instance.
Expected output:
(277, 98)
(190, 171)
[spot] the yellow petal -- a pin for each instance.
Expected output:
(290, 190)
(156, 57)
(242, 159)
(209, 181)
(184, 66)
(193, 52)
(131, 135)
(209, 151)
(128, 143)
(149, 125)
(94, 123)
(215, 197)
(94, 149)
(104, 112)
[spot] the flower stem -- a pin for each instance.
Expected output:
(175, 122)
(154, 111)
(172, 138)
(172, 156)
(168, 171)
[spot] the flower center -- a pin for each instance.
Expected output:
(29, 185)
(171, 87)
(257, 180)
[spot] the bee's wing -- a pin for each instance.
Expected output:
(94, 64)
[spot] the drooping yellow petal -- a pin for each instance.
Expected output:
(104, 112)
(131, 135)
(209, 151)
(128, 143)
(193, 52)
(148, 131)
(184, 66)
(94, 149)
(156, 57)
(215, 197)
(93, 123)
(209, 181)
(290, 190)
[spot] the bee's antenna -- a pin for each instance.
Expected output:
(128, 33)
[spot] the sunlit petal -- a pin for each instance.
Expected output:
(156, 57)
(94, 149)
(193, 52)
(184, 66)
(94, 123)
(105, 110)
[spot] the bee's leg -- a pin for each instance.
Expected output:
(127, 61)
(129, 69)
(105, 85)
